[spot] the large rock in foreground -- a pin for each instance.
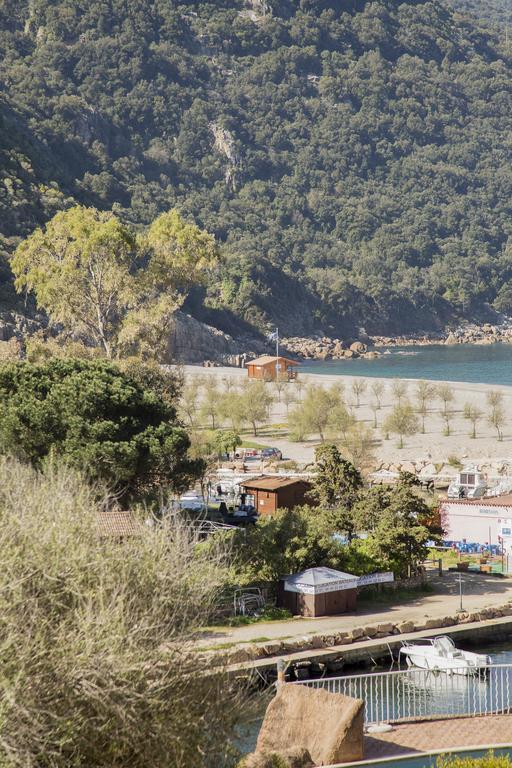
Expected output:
(328, 725)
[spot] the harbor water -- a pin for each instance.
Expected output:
(479, 364)
(449, 693)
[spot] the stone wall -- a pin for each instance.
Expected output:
(363, 631)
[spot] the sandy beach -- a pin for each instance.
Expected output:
(433, 446)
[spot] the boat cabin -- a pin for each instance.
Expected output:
(470, 484)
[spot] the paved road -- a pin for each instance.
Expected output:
(480, 591)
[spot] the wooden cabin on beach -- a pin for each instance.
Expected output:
(270, 367)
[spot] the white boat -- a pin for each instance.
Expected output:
(441, 655)
(470, 484)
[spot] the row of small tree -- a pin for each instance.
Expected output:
(324, 411)
(236, 403)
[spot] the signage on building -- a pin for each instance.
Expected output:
(336, 585)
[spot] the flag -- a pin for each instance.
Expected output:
(273, 336)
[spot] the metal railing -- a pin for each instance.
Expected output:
(418, 694)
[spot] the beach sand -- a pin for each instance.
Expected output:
(433, 446)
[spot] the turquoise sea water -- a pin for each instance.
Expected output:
(485, 364)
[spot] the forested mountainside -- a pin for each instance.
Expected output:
(353, 157)
(497, 12)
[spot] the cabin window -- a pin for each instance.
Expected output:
(467, 479)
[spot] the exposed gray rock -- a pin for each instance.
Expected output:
(193, 342)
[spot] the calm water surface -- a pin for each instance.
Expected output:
(447, 700)
(481, 364)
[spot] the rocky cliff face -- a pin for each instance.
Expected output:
(193, 342)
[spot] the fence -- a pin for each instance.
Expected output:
(418, 694)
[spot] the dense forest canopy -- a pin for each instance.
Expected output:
(353, 157)
(497, 12)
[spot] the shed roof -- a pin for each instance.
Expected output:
(272, 483)
(118, 523)
(315, 581)
(320, 575)
(485, 501)
(267, 359)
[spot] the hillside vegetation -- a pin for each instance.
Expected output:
(353, 157)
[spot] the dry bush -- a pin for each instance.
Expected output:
(96, 666)
(10, 351)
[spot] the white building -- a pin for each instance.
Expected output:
(479, 521)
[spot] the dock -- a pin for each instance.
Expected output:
(488, 630)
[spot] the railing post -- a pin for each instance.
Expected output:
(280, 672)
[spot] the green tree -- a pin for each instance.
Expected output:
(377, 387)
(402, 421)
(211, 400)
(359, 388)
(96, 633)
(289, 398)
(292, 540)
(425, 394)
(93, 276)
(473, 414)
(446, 395)
(226, 440)
(96, 418)
(315, 412)
(358, 445)
(254, 404)
(336, 484)
(189, 399)
(496, 415)
(368, 508)
(399, 389)
(399, 537)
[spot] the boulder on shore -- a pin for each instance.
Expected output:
(328, 725)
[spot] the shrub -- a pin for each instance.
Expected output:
(96, 662)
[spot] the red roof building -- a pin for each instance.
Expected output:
(268, 368)
(271, 493)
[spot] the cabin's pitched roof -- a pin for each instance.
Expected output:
(268, 359)
(272, 483)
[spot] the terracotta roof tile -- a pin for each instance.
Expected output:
(272, 483)
(118, 523)
(485, 501)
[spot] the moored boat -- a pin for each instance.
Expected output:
(441, 655)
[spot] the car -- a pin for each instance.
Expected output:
(246, 453)
(271, 453)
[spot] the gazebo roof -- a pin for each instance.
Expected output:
(314, 581)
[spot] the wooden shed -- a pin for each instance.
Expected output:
(318, 592)
(271, 493)
(269, 367)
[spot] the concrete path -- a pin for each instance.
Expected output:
(480, 591)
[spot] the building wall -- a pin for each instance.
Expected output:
(477, 522)
(266, 502)
(267, 372)
(326, 604)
